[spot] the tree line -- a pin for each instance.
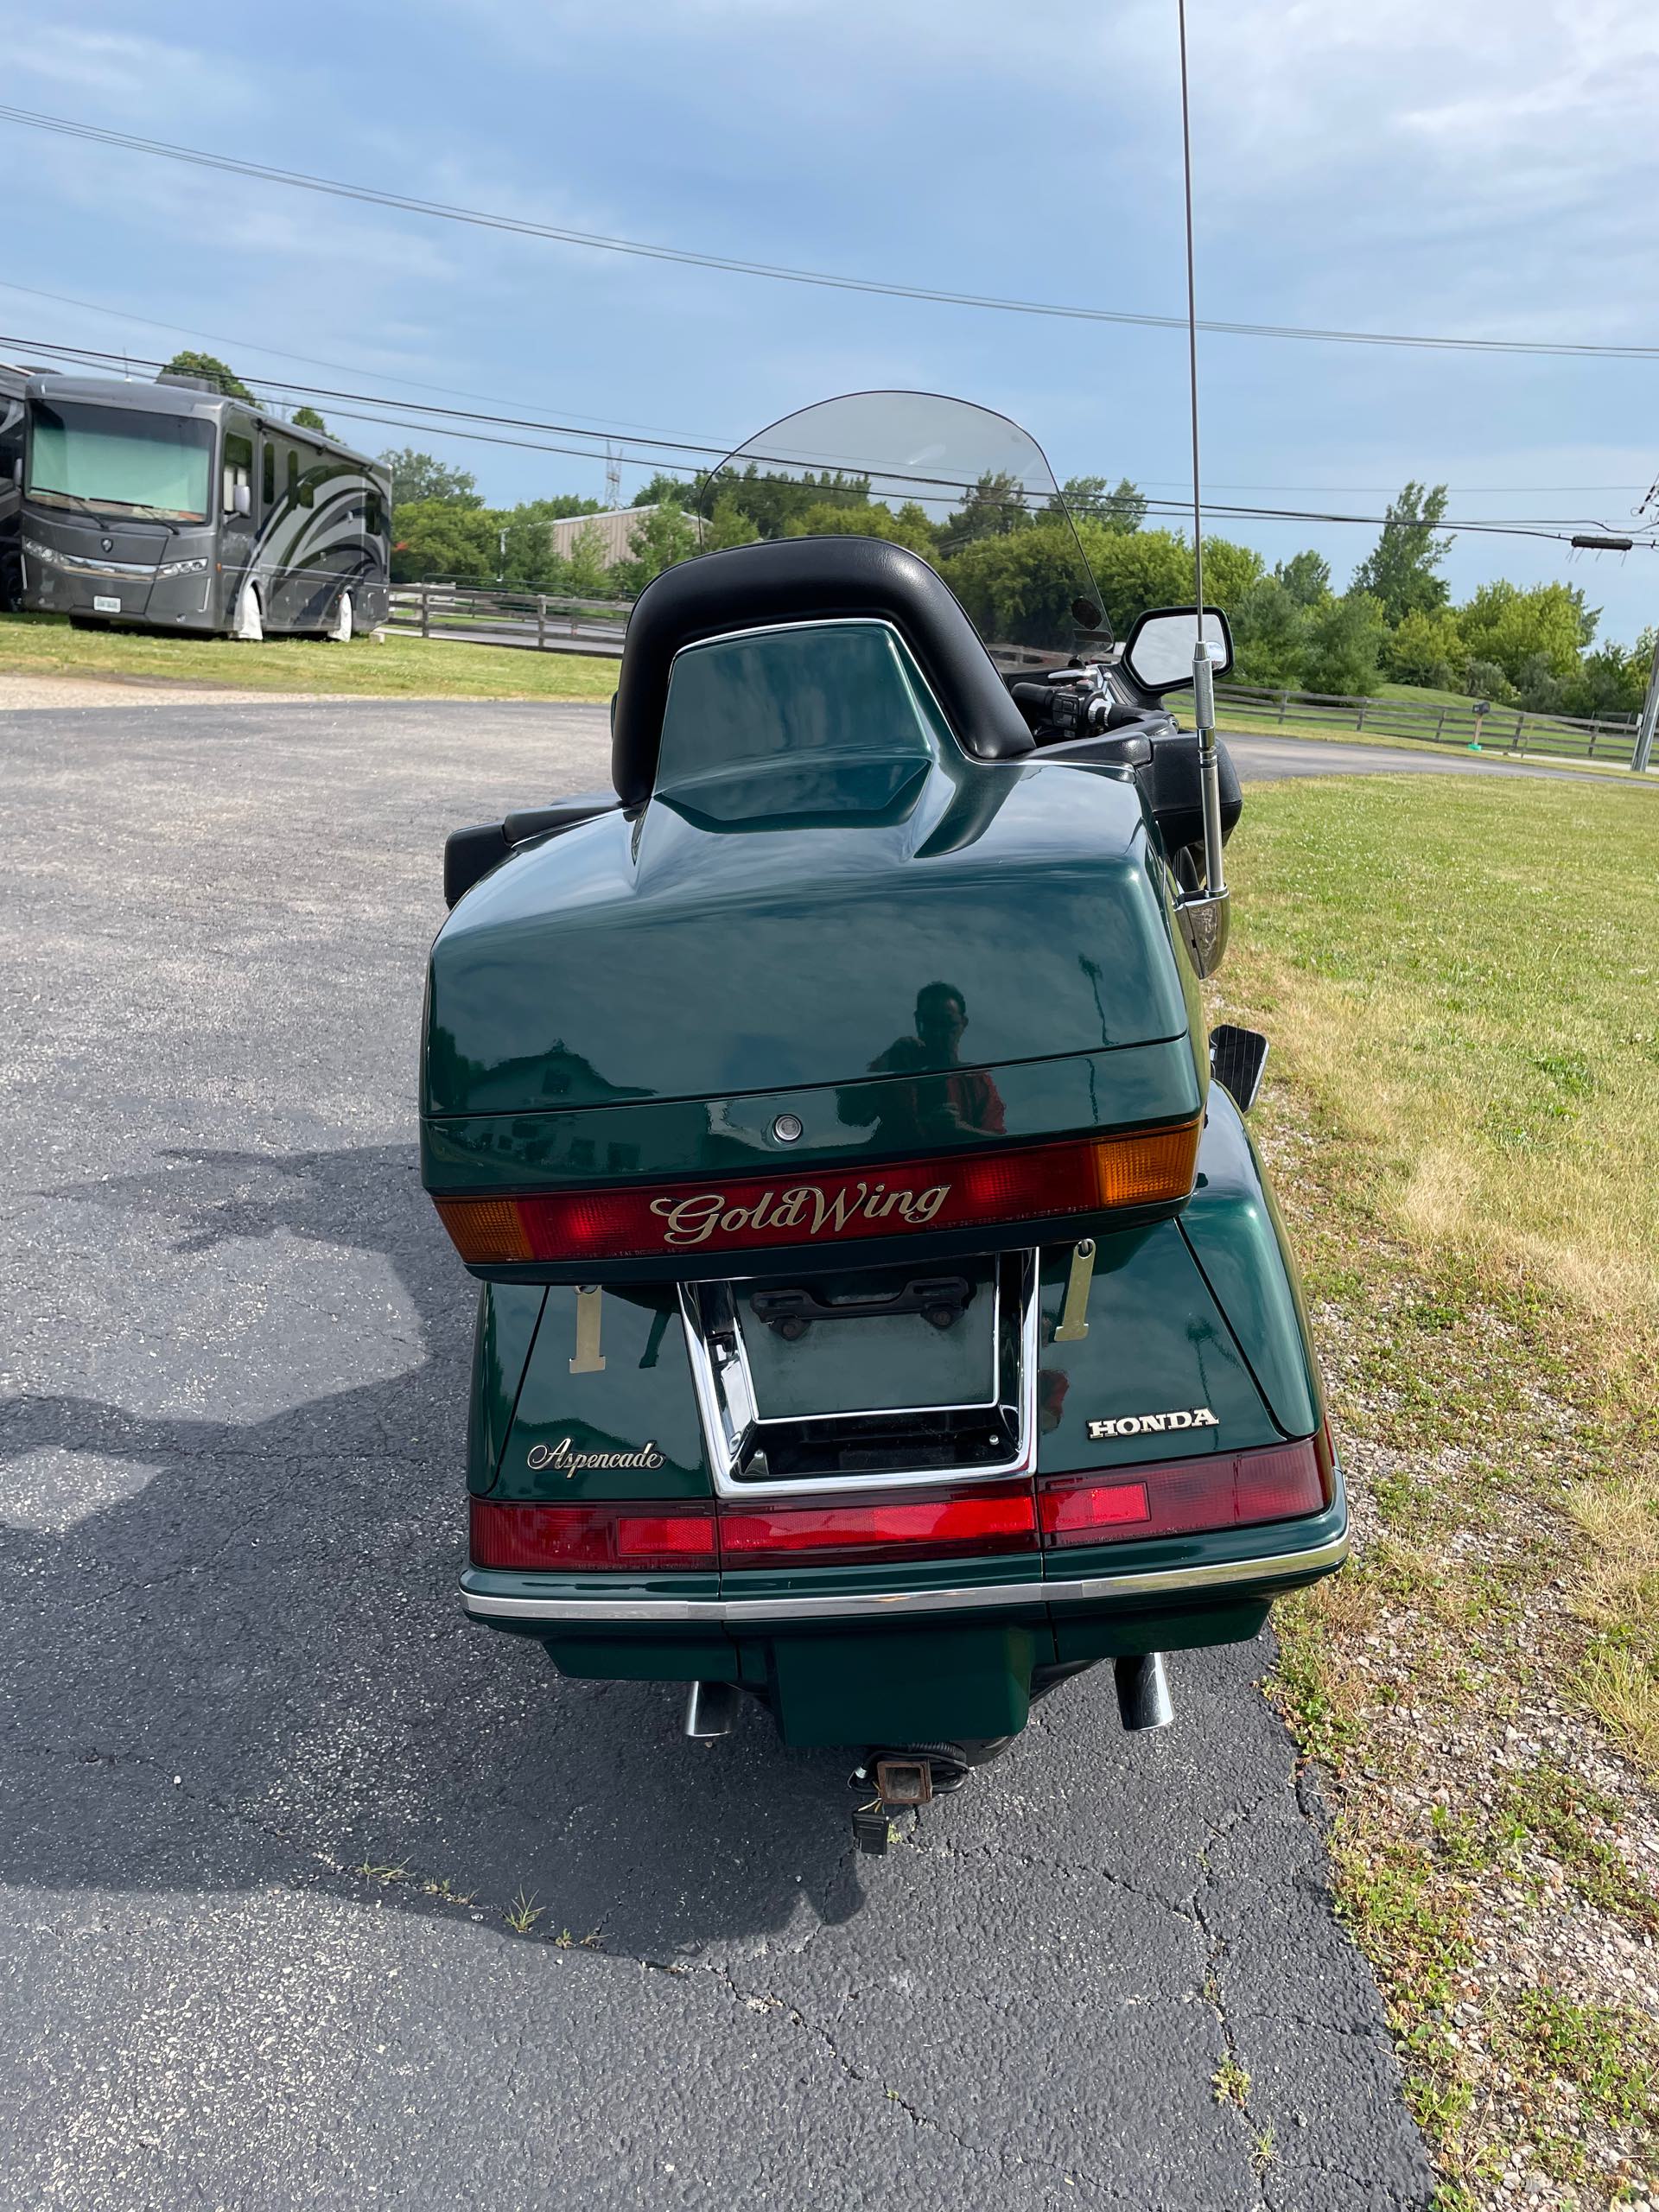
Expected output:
(1531, 646)
(1008, 563)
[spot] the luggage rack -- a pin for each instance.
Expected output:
(816, 1449)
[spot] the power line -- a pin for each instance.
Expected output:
(453, 420)
(286, 354)
(562, 235)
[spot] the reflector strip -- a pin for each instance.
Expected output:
(650, 1536)
(1093, 1505)
(953, 1191)
(1179, 1498)
(1002, 1519)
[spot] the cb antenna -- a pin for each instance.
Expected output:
(1204, 681)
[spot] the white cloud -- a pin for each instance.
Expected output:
(139, 78)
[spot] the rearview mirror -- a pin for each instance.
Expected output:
(243, 500)
(1159, 654)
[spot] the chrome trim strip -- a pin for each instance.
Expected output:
(84, 564)
(904, 1605)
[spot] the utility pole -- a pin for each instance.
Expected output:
(613, 477)
(1642, 751)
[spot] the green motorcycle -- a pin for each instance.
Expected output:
(883, 1313)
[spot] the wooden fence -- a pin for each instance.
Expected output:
(544, 621)
(1495, 730)
(537, 620)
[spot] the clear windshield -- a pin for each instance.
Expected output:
(120, 460)
(969, 490)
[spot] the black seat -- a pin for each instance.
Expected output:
(797, 580)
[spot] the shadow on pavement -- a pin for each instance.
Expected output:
(253, 1668)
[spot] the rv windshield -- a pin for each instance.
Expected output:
(969, 490)
(121, 459)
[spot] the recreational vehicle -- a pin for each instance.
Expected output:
(169, 506)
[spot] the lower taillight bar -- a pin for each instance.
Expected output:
(1219, 1491)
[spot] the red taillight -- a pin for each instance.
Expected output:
(650, 1537)
(993, 1519)
(665, 1535)
(1177, 1498)
(956, 1191)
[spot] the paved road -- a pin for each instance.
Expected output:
(1258, 759)
(233, 1353)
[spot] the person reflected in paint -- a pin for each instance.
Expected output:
(946, 1100)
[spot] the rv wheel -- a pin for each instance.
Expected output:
(341, 633)
(250, 616)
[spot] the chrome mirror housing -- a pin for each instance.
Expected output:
(1205, 921)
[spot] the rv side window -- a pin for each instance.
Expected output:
(308, 487)
(373, 521)
(293, 474)
(238, 469)
(268, 485)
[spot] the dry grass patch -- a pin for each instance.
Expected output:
(1464, 1134)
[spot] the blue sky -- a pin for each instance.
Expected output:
(1417, 165)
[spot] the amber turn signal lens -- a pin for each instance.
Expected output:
(1144, 1171)
(486, 1232)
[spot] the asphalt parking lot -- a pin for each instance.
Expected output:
(269, 1801)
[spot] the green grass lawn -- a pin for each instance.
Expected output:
(1463, 996)
(395, 666)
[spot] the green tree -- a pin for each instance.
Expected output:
(996, 505)
(586, 572)
(1428, 649)
(442, 538)
(561, 507)
(1344, 640)
(417, 477)
(1270, 627)
(771, 502)
(728, 525)
(1612, 680)
(1120, 507)
(307, 418)
(210, 367)
(525, 549)
(662, 487)
(1306, 576)
(1484, 679)
(1543, 630)
(874, 518)
(1402, 572)
(663, 536)
(1019, 588)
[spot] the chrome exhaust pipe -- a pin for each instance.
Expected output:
(709, 1711)
(1143, 1699)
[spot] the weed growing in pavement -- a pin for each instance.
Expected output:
(522, 1914)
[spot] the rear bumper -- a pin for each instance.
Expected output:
(504, 1600)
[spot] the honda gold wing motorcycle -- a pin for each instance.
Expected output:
(883, 1313)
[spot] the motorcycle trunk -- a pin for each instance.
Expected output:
(882, 1310)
